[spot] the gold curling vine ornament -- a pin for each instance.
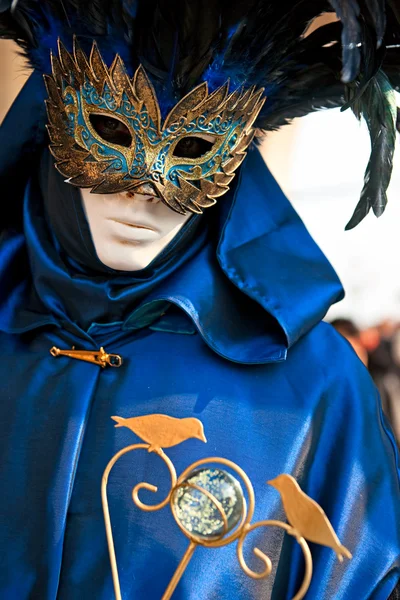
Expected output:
(209, 505)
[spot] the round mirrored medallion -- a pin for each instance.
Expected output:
(196, 511)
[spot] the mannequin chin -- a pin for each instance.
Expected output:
(129, 230)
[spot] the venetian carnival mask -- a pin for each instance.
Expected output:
(107, 134)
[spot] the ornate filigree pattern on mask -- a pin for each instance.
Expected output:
(82, 86)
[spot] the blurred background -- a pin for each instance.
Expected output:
(319, 162)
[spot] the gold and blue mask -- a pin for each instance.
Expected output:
(107, 133)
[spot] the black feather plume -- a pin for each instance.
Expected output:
(251, 42)
(378, 107)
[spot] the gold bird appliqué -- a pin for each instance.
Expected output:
(306, 516)
(163, 431)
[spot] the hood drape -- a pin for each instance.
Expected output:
(252, 290)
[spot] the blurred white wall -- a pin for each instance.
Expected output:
(13, 74)
(319, 162)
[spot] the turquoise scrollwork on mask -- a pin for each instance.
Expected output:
(107, 134)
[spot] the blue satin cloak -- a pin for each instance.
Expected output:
(314, 415)
(243, 350)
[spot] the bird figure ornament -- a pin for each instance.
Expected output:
(306, 516)
(162, 431)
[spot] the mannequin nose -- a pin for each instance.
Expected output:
(143, 190)
(132, 195)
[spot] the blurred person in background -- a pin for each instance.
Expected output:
(378, 348)
(381, 343)
(348, 329)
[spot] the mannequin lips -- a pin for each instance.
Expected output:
(135, 225)
(130, 231)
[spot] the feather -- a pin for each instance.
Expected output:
(348, 12)
(353, 18)
(378, 107)
(5, 5)
(376, 9)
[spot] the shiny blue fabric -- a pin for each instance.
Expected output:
(242, 348)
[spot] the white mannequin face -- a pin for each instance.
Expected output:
(129, 230)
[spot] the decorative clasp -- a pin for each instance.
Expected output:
(97, 357)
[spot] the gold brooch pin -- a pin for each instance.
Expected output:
(97, 357)
(209, 506)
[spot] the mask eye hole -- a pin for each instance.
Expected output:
(192, 147)
(111, 130)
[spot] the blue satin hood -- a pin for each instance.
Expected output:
(264, 287)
